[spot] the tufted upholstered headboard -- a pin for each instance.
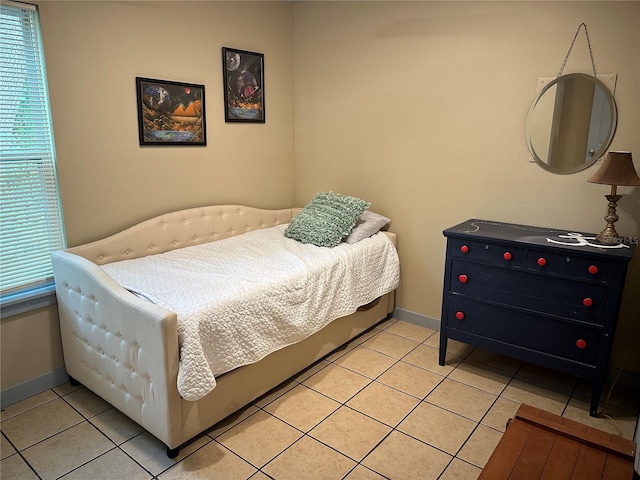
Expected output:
(179, 229)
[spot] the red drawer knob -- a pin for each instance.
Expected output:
(587, 302)
(593, 269)
(464, 249)
(460, 315)
(463, 278)
(581, 344)
(507, 256)
(542, 261)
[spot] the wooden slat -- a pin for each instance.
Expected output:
(590, 436)
(552, 417)
(539, 445)
(506, 454)
(623, 442)
(561, 463)
(534, 456)
(616, 468)
(590, 464)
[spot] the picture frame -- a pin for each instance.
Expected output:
(170, 113)
(243, 83)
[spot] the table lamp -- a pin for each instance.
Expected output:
(617, 169)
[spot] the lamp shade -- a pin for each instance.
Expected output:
(617, 169)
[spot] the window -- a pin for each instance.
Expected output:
(30, 214)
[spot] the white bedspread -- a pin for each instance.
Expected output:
(243, 297)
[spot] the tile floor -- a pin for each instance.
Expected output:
(380, 407)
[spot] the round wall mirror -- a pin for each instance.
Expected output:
(571, 123)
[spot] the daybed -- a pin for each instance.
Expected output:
(126, 348)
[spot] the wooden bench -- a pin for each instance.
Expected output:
(540, 445)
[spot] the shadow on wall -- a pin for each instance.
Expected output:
(629, 204)
(624, 354)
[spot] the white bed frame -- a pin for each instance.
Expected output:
(125, 349)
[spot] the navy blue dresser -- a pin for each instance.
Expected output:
(549, 297)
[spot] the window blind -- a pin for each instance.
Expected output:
(30, 214)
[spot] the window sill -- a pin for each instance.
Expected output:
(28, 300)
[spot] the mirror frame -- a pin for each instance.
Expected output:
(605, 145)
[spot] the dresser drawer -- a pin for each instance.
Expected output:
(488, 252)
(570, 266)
(535, 332)
(546, 294)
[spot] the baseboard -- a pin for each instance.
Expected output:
(416, 318)
(33, 387)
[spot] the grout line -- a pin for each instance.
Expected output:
(369, 381)
(19, 453)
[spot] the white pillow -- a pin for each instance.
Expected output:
(368, 224)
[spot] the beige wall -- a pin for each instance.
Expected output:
(420, 108)
(94, 50)
(31, 346)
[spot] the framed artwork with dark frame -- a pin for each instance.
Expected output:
(170, 113)
(243, 79)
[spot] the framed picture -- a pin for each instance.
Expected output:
(170, 113)
(243, 80)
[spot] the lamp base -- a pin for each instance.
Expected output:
(609, 236)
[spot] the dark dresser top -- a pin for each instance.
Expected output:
(545, 238)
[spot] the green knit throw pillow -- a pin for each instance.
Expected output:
(326, 219)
